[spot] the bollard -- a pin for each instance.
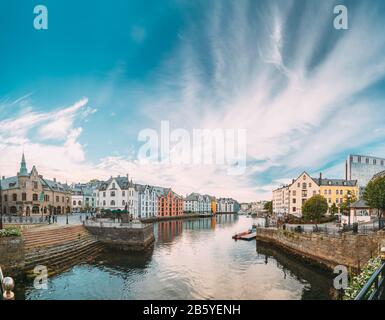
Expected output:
(8, 285)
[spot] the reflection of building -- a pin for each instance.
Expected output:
(362, 169)
(29, 193)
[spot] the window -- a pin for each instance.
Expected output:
(304, 193)
(79, 203)
(330, 192)
(123, 202)
(298, 185)
(294, 200)
(337, 200)
(112, 193)
(14, 197)
(74, 203)
(104, 202)
(104, 194)
(309, 184)
(34, 197)
(35, 184)
(325, 192)
(113, 185)
(62, 199)
(367, 160)
(123, 193)
(382, 162)
(5, 198)
(24, 196)
(341, 192)
(294, 193)
(304, 177)
(330, 200)
(374, 161)
(337, 191)
(112, 202)
(359, 159)
(304, 185)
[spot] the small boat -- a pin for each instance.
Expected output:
(239, 235)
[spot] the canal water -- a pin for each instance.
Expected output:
(191, 259)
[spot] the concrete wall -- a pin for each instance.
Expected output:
(134, 239)
(11, 255)
(350, 250)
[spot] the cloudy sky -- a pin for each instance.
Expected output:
(75, 97)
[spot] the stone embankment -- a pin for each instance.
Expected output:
(350, 250)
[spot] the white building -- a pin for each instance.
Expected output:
(227, 205)
(197, 203)
(147, 201)
(281, 201)
(118, 194)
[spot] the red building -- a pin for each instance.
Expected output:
(169, 203)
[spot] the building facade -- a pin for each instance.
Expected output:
(197, 203)
(228, 205)
(169, 203)
(118, 194)
(280, 201)
(363, 168)
(30, 193)
(147, 201)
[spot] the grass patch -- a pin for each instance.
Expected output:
(10, 232)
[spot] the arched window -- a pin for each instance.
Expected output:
(79, 203)
(74, 203)
(112, 202)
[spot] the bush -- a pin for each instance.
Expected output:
(358, 281)
(10, 232)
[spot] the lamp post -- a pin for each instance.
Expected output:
(348, 207)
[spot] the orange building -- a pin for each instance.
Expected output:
(169, 203)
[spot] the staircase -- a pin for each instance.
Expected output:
(58, 248)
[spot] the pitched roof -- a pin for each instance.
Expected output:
(122, 182)
(360, 204)
(335, 182)
(9, 183)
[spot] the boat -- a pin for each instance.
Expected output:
(238, 236)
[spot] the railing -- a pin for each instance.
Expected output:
(23, 220)
(111, 224)
(332, 229)
(374, 288)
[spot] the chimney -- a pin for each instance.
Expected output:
(292, 181)
(54, 179)
(320, 178)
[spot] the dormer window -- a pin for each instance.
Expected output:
(113, 186)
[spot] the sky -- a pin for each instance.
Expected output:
(76, 96)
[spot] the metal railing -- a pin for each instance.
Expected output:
(23, 220)
(332, 229)
(374, 288)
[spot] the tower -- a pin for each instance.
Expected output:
(23, 167)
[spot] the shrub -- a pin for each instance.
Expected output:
(10, 232)
(358, 281)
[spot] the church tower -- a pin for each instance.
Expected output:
(23, 167)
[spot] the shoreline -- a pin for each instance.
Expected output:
(184, 216)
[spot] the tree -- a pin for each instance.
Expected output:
(374, 196)
(269, 207)
(314, 208)
(333, 209)
(349, 198)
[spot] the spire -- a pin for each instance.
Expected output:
(23, 167)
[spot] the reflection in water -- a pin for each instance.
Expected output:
(191, 259)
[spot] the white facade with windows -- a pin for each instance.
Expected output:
(227, 205)
(147, 201)
(197, 203)
(118, 194)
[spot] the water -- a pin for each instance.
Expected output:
(191, 259)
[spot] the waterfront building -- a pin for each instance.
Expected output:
(147, 201)
(30, 193)
(197, 203)
(258, 206)
(281, 201)
(77, 198)
(228, 205)
(363, 168)
(118, 193)
(335, 190)
(169, 203)
(305, 187)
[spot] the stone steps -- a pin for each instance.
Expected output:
(58, 248)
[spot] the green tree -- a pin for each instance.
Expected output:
(349, 198)
(269, 207)
(333, 209)
(314, 208)
(374, 196)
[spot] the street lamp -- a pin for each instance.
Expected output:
(348, 207)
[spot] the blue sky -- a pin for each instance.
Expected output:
(75, 96)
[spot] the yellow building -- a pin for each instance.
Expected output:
(335, 190)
